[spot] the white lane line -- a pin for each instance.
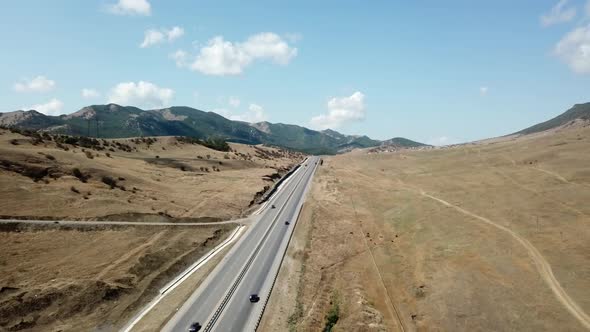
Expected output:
(183, 276)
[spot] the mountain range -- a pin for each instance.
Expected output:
(115, 121)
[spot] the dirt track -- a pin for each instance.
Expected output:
(490, 236)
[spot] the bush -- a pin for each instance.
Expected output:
(14, 142)
(332, 316)
(109, 181)
(108, 155)
(89, 155)
(50, 157)
(73, 189)
(81, 176)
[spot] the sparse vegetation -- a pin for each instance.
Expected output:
(333, 314)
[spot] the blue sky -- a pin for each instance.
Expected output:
(433, 71)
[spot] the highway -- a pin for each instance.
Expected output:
(222, 303)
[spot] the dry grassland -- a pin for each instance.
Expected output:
(483, 237)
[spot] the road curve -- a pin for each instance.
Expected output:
(222, 303)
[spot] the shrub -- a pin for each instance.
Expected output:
(14, 142)
(121, 178)
(108, 155)
(73, 189)
(50, 157)
(109, 181)
(89, 155)
(333, 315)
(81, 176)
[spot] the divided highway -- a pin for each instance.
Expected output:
(222, 301)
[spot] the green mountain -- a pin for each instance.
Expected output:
(402, 143)
(576, 113)
(115, 121)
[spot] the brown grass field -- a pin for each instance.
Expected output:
(493, 236)
(166, 177)
(83, 278)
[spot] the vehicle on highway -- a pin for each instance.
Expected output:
(273, 206)
(196, 326)
(287, 222)
(254, 298)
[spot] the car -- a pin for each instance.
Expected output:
(287, 222)
(272, 206)
(196, 326)
(254, 298)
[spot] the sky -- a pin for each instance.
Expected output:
(439, 72)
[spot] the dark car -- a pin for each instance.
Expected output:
(194, 327)
(272, 206)
(287, 222)
(254, 298)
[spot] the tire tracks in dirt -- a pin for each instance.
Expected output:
(543, 267)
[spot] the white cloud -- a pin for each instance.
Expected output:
(340, 111)
(157, 36)
(221, 57)
(559, 14)
(234, 101)
(483, 91)
(255, 113)
(443, 140)
(574, 49)
(141, 94)
(52, 107)
(90, 93)
(180, 57)
(37, 84)
(588, 8)
(131, 7)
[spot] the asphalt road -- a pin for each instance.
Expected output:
(222, 303)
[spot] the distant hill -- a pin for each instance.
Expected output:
(579, 112)
(115, 121)
(402, 142)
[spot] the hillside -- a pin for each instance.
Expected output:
(576, 113)
(402, 142)
(115, 121)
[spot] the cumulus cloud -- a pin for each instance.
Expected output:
(52, 107)
(574, 50)
(131, 7)
(559, 14)
(483, 91)
(341, 110)
(90, 93)
(37, 84)
(255, 113)
(158, 36)
(234, 101)
(221, 57)
(141, 94)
